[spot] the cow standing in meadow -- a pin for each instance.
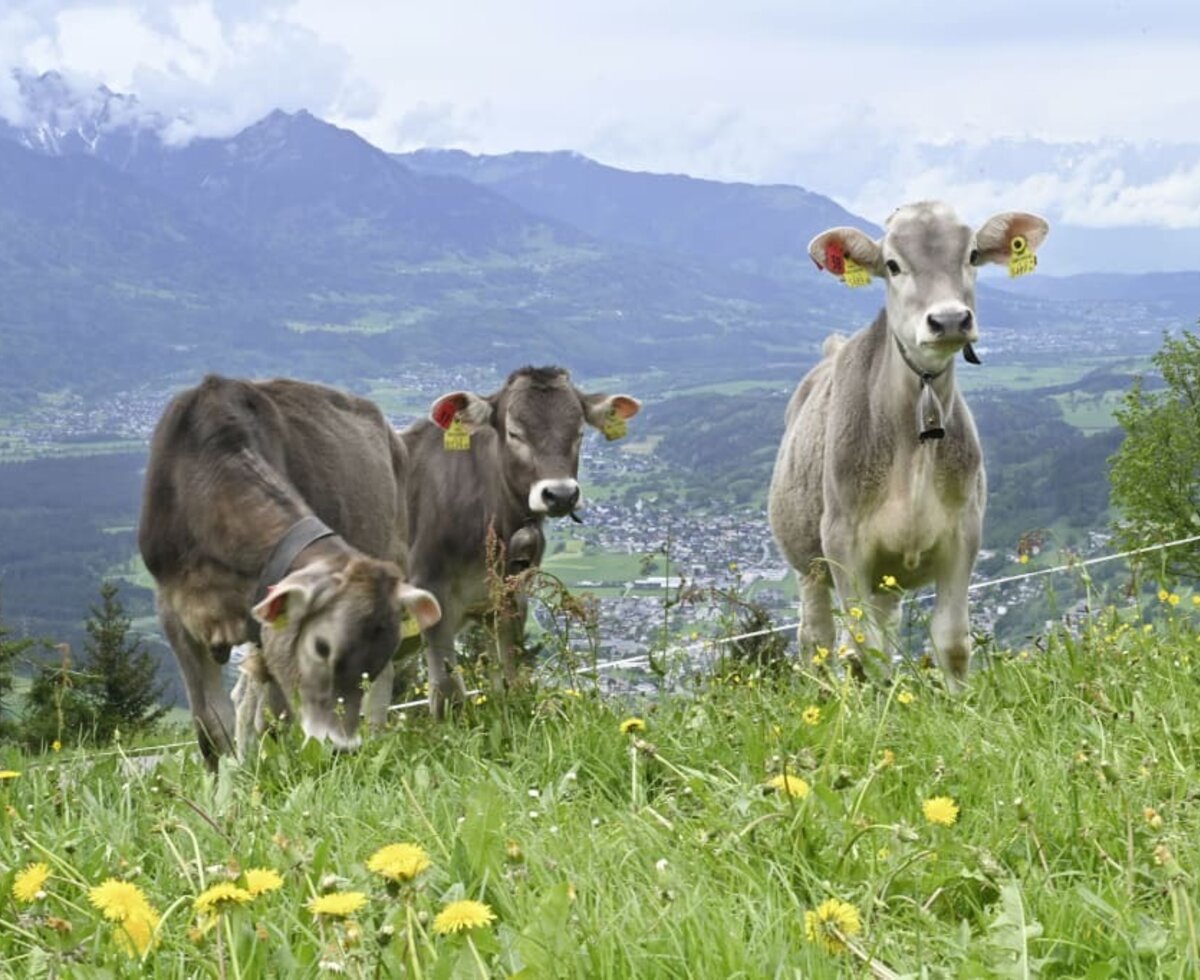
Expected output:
(497, 465)
(880, 477)
(279, 507)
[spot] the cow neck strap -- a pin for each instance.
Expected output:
(930, 414)
(295, 539)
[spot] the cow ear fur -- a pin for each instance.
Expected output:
(853, 244)
(994, 237)
(472, 410)
(597, 408)
(286, 602)
(423, 606)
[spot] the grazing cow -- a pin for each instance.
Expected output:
(279, 507)
(497, 464)
(880, 473)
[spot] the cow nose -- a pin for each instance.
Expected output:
(949, 324)
(560, 497)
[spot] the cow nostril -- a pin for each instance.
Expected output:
(935, 324)
(574, 497)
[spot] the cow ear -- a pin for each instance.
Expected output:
(994, 239)
(286, 602)
(423, 606)
(610, 413)
(830, 249)
(472, 410)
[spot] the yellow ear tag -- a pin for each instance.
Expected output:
(855, 275)
(409, 627)
(457, 438)
(615, 427)
(1021, 261)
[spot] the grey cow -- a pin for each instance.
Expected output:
(504, 461)
(880, 473)
(280, 507)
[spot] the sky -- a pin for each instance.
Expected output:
(1089, 111)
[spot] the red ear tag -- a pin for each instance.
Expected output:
(444, 412)
(835, 257)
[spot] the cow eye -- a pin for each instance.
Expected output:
(323, 649)
(893, 267)
(974, 257)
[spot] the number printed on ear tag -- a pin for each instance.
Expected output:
(457, 438)
(855, 275)
(615, 427)
(1021, 260)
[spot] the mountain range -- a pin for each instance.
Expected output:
(297, 247)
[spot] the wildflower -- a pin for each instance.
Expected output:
(9, 774)
(882, 854)
(479, 699)
(120, 900)
(887, 759)
(632, 725)
(259, 881)
(1173, 599)
(214, 900)
(1163, 595)
(1023, 559)
(464, 914)
(399, 862)
(860, 638)
(811, 715)
(56, 746)
(856, 613)
(572, 693)
(906, 697)
(940, 810)
(889, 581)
(1196, 600)
(789, 785)
(337, 905)
(27, 886)
(831, 923)
(137, 933)
(820, 656)
(1153, 819)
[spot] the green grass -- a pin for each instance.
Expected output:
(662, 853)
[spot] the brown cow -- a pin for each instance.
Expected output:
(279, 505)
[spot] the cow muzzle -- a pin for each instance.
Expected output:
(949, 328)
(555, 498)
(329, 729)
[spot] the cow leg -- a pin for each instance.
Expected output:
(951, 625)
(212, 709)
(445, 682)
(816, 609)
(379, 696)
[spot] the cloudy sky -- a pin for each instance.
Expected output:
(1087, 110)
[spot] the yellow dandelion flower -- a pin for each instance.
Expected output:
(1163, 595)
(337, 905)
(889, 581)
(399, 862)
(56, 746)
(259, 881)
(1152, 816)
(883, 854)
(906, 697)
(215, 899)
(9, 774)
(811, 715)
(135, 934)
(30, 881)
(632, 725)
(831, 924)
(479, 699)
(464, 914)
(860, 637)
(1196, 600)
(940, 810)
(1173, 599)
(120, 900)
(572, 692)
(789, 785)
(1023, 559)
(888, 758)
(820, 656)
(856, 613)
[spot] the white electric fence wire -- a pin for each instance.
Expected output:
(643, 660)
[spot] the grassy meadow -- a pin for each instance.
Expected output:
(797, 824)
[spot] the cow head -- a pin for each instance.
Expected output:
(538, 417)
(928, 259)
(327, 625)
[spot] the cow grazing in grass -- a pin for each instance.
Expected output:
(279, 507)
(880, 473)
(496, 464)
